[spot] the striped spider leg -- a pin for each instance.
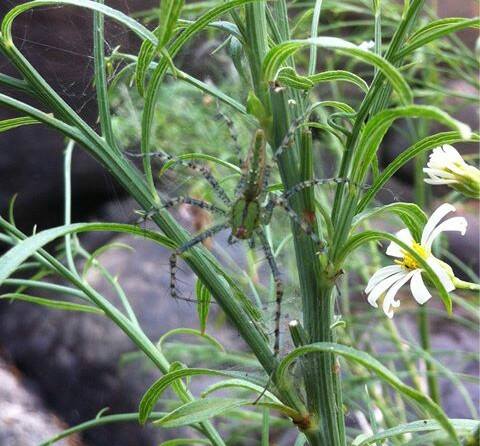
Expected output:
(280, 201)
(288, 138)
(185, 247)
(233, 134)
(203, 170)
(267, 250)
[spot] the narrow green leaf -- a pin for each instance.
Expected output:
(9, 124)
(204, 299)
(339, 76)
(169, 14)
(184, 442)
(98, 421)
(240, 384)
(199, 156)
(199, 410)
(191, 332)
(289, 77)
(413, 217)
(100, 78)
(120, 17)
(280, 53)
(152, 395)
(144, 59)
(13, 258)
(376, 128)
(52, 303)
(372, 364)
(435, 30)
(461, 425)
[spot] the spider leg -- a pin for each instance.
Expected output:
(266, 179)
(202, 204)
(186, 246)
(313, 182)
(278, 287)
(233, 135)
(282, 203)
(287, 140)
(196, 167)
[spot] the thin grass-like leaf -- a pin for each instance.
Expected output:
(135, 26)
(52, 303)
(376, 128)
(199, 156)
(191, 332)
(280, 53)
(435, 30)
(199, 410)
(413, 217)
(204, 299)
(9, 124)
(460, 425)
(240, 384)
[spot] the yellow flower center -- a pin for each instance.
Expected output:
(409, 261)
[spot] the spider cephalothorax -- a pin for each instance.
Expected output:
(245, 214)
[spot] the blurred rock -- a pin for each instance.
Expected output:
(24, 420)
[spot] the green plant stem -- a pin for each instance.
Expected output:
(375, 100)
(67, 168)
(424, 333)
(101, 79)
(316, 287)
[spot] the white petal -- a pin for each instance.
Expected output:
(455, 224)
(434, 219)
(382, 274)
(436, 181)
(393, 249)
(419, 290)
(389, 299)
(438, 173)
(441, 274)
(453, 153)
(383, 286)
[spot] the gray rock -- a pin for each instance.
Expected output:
(24, 419)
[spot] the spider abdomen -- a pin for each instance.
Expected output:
(245, 218)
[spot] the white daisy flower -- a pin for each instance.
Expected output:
(447, 167)
(388, 281)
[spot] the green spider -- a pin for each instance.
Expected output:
(247, 214)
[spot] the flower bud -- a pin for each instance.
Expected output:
(447, 167)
